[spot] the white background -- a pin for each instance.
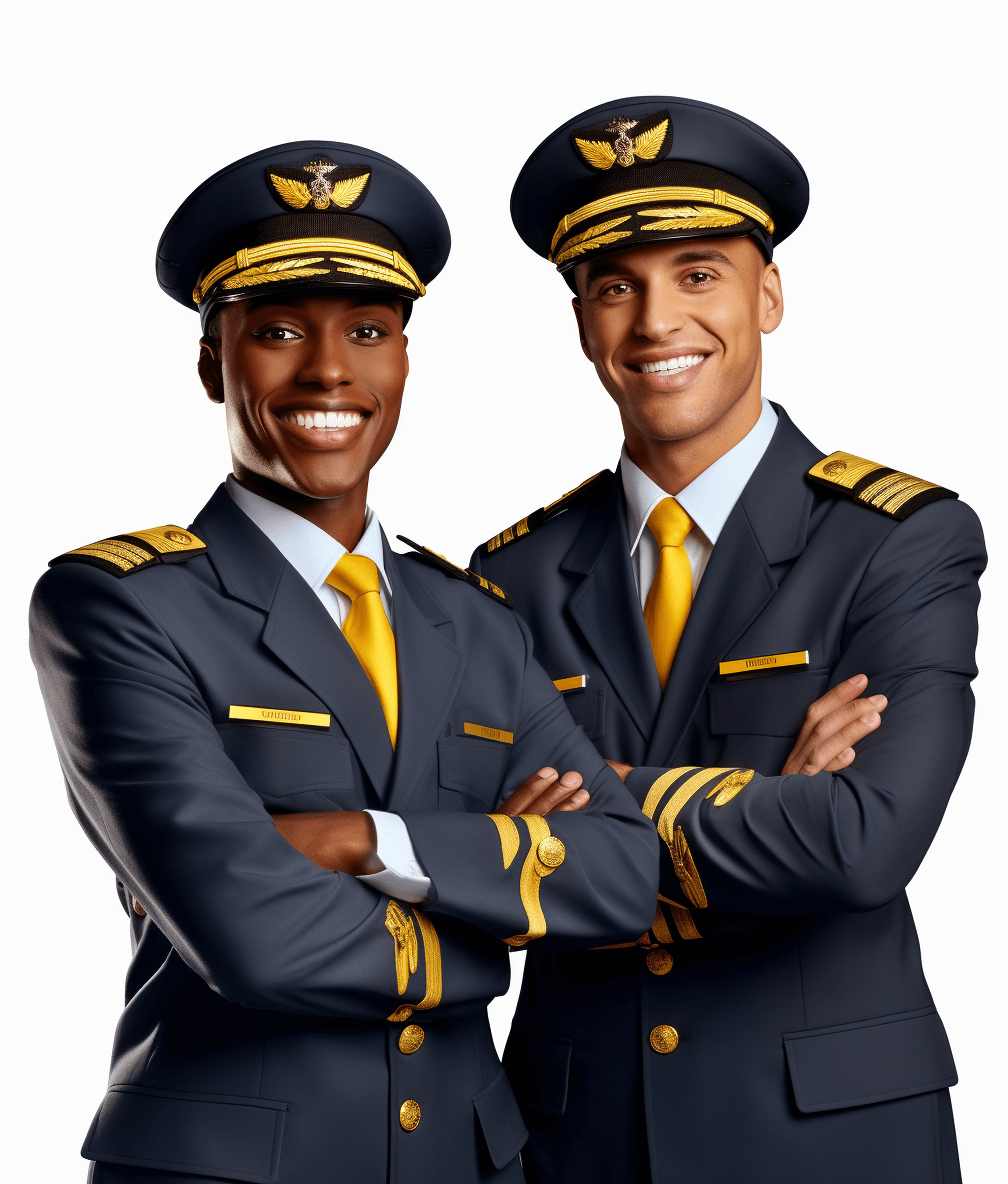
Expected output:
(892, 347)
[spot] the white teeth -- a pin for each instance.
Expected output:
(671, 365)
(300, 420)
(330, 420)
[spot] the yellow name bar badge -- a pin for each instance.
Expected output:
(486, 733)
(576, 682)
(280, 715)
(767, 664)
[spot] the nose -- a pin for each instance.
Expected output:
(327, 363)
(658, 315)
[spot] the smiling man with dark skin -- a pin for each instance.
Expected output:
(274, 682)
(775, 1023)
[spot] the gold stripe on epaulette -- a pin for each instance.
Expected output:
(168, 540)
(890, 491)
(571, 492)
(115, 554)
(844, 469)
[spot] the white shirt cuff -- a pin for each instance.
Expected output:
(402, 877)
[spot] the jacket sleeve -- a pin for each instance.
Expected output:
(850, 840)
(151, 784)
(569, 880)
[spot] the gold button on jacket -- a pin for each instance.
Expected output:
(410, 1038)
(659, 961)
(664, 1039)
(409, 1115)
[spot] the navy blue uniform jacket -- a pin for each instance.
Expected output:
(256, 1042)
(809, 1047)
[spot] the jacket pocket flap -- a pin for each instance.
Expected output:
(873, 1061)
(471, 766)
(501, 1120)
(538, 1066)
(280, 761)
(209, 1134)
(771, 705)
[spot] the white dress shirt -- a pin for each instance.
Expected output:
(708, 500)
(313, 554)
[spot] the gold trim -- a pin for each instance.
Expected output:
(686, 871)
(576, 682)
(659, 927)
(298, 268)
(168, 539)
(689, 218)
(533, 872)
(280, 715)
(683, 919)
(593, 238)
(432, 959)
(510, 841)
(400, 926)
(486, 733)
(843, 468)
(373, 271)
(400, 1014)
(656, 791)
(103, 551)
(764, 662)
(269, 251)
(732, 784)
(661, 193)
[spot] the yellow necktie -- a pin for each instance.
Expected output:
(368, 631)
(671, 593)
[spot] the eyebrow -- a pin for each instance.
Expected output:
(696, 255)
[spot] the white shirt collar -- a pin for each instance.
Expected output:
(305, 546)
(708, 499)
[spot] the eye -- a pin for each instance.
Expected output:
(276, 333)
(616, 290)
(699, 277)
(367, 333)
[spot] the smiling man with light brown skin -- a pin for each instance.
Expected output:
(775, 1024)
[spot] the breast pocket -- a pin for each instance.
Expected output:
(773, 705)
(587, 708)
(470, 772)
(281, 762)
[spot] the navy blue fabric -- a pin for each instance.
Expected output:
(804, 1002)
(254, 1044)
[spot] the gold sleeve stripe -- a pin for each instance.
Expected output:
(510, 842)
(660, 927)
(683, 919)
(657, 790)
(681, 796)
(400, 926)
(545, 855)
(685, 869)
(432, 957)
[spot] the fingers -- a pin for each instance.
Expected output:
(527, 792)
(833, 738)
(545, 793)
(843, 693)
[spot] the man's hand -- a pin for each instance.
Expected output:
(338, 840)
(545, 793)
(833, 724)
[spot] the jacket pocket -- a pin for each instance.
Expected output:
(538, 1067)
(895, 1056)
(471, 767)
(771, 705)
(277, 762)
(208, 1134)
(500, 1120)
(587, 708)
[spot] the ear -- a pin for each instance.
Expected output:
(405, 343)
(209, 369)
(771, 297)
(579, 315)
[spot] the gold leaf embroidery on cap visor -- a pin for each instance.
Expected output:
(282, 269)
(689, 218)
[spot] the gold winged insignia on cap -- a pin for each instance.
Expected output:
(602, 147)
(318, 188)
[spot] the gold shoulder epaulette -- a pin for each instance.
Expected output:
(126, 553)
(488, 587)
(881, 488)
(584, 492)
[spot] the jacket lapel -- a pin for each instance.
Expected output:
(429, 667)
(298, 629)
(767, 526)
(606, 608)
